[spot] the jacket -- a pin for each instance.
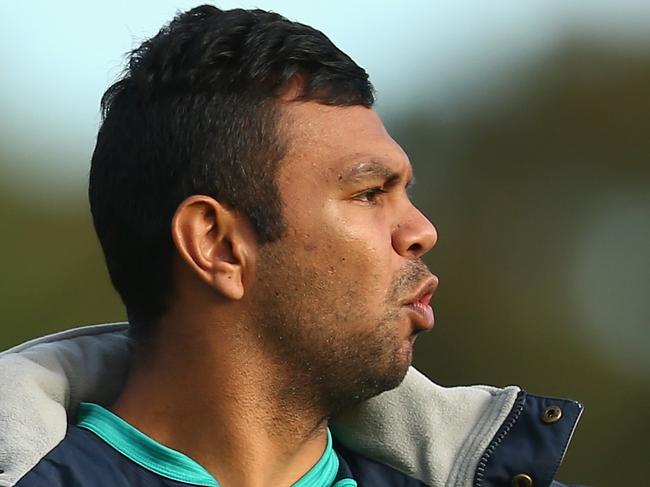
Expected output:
(475, 436)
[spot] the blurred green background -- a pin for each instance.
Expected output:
(528, 127)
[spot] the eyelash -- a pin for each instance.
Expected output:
(370, 195)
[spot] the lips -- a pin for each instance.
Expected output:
(418, 305)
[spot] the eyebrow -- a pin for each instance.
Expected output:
(372, 170)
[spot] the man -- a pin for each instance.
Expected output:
(254, 217)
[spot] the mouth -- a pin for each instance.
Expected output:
(419, 308)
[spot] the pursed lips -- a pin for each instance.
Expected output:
(419, 305)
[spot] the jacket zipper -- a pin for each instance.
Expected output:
(512, 418)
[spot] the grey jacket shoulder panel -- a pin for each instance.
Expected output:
(89, 330)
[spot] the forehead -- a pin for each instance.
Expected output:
(326, 140)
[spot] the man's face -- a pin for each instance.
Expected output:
(342, 295)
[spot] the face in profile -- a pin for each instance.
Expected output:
(341, 297)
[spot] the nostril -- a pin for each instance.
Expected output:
(416, 249)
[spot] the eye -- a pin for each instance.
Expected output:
(370, 196)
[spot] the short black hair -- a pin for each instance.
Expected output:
(197, 112)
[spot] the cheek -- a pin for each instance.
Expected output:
(355, 271)
(352, 252)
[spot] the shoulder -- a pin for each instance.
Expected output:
(83, 459)
(80, 460)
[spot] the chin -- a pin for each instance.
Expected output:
(399, 364)
(370, 385)
(396, 374)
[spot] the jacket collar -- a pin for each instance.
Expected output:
(435, 434)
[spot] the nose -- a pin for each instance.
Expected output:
(414, 236)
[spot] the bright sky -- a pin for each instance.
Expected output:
(59, 57)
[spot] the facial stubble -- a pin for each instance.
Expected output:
(315, 323)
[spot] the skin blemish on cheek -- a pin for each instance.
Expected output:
(310, 246)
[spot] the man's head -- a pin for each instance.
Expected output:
(197, 112)
(239, 156)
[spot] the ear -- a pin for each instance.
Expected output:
(215, 242)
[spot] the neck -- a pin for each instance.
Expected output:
(220, 401)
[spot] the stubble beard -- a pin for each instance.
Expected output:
(318, 327)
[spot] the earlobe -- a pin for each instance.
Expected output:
(209, 242)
